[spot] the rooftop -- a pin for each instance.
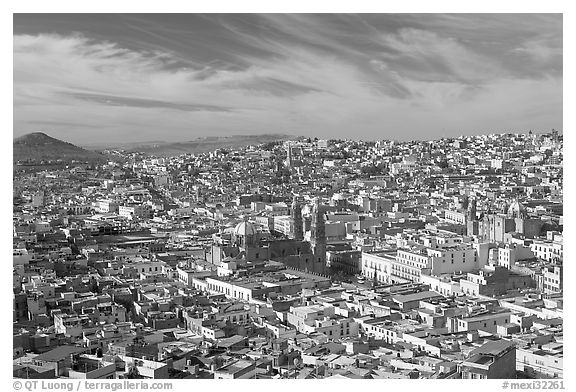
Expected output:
(59, 353)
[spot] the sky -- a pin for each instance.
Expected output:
(120, 78)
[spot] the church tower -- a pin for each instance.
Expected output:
(318, 233)
(471, 215)
(289, 156)
(296, 214)
(472, 224)
(465, 202)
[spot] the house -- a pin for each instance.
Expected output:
(236, 369)
(495, 359)
(60, 359)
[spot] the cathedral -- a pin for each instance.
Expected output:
(493, 227)
(245, 247)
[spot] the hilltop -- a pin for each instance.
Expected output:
(38, 146)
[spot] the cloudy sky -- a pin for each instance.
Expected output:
(91, 78)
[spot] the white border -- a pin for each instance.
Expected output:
(340, 6)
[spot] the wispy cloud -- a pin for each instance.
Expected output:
(111, 100)
(364, 76)
(424, 55)
(544, 50)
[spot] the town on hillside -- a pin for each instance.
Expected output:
(292, 259)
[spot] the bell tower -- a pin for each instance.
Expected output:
(296, 214)
(318, 233)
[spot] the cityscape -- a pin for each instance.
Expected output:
(284, 254)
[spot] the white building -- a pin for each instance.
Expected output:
(322, 319)
(142, 211)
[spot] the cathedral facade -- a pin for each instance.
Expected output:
(245, 246)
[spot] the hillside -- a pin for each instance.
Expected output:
(207, 144)
(37, 146)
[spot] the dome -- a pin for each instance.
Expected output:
(517, 210)
(245, 229)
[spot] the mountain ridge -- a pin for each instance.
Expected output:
(39, 146)
(209, 143)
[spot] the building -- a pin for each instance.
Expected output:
(237, 369)
(410, 263)
(106, 206)
(512, 253)
(143, 368)
(283, 224)
(493, 227)
(494, 280)
(548, 250)
(140, 211)
(493, 360)
(348, 261)
(377, 266)
(541, 361)
(472, 226)
(553, 278)
(408, 302)
(455, 216)
(322, 319)
(60, 359)
(487, 322)
(318, 234)
(90, 367)
(297, 223)
(246, 247)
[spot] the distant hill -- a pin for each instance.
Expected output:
(37, 146)
(208, 144)
(128, 146)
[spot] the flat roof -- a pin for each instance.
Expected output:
(235, 366)
(416, 296)
(486, 316)
(59, 353)
(494, 347)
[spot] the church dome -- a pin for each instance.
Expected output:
(517, 210)
(245, 229)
